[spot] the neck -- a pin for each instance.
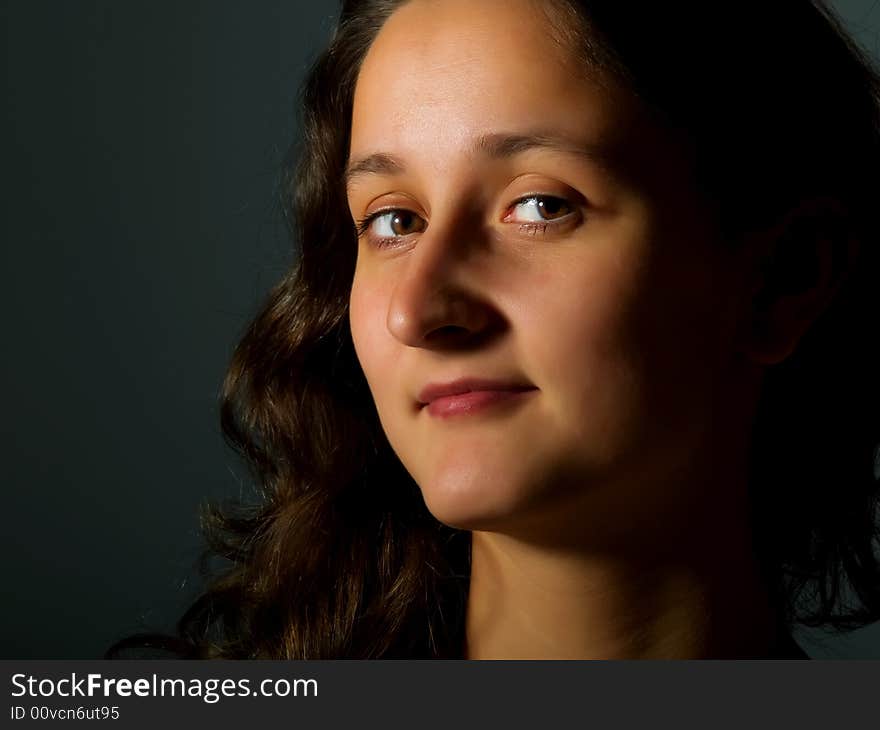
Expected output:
(528, 603)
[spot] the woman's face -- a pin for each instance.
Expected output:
(536, 230)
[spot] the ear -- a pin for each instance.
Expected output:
(797, 268)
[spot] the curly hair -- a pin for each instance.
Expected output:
(340, 558)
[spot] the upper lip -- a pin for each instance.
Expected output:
(432, 391)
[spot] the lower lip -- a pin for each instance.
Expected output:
(473, 402)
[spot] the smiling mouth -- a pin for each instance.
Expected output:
(475, 401)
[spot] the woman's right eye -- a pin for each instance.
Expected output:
(386, 226)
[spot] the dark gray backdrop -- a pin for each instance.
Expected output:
(141, 147)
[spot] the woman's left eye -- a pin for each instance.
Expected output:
(541, 209)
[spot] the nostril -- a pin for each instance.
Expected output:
(447, 335)
(457, 337)
(448, 330)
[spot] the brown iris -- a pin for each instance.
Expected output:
(550, 207)
(404, 222)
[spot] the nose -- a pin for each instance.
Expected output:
(436, 299)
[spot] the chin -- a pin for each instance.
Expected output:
(468, 504)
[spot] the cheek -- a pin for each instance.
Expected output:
(365, 306)
(586, 308)
(617, 339)
(378, 353)
(581, 336)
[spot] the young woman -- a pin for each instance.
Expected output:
(578, 357)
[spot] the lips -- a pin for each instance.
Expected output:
(434, 391)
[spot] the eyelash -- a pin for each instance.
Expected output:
(533, 227)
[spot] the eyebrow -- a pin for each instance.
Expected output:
(497, 146)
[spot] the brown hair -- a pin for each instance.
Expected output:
(339, 556)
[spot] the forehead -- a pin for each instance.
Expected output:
(441, 73)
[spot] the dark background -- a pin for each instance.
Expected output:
(141, 146)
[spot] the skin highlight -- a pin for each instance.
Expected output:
(607, 509)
